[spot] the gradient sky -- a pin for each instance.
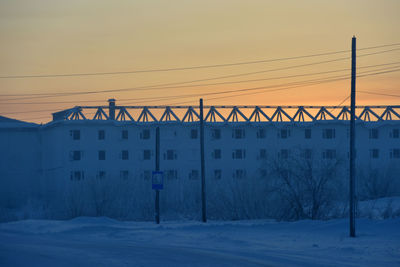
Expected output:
(86, 36)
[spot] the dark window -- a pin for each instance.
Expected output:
(171, 174)
(217, 174)
(77, 175)
(261, 133)
(194, 175)
(374, 153)
(283, 154)
(146, 175)
(307, 153)
(193, 133)
(125, 154)
(124, 134)
(216, 154)
(395, 153)
(124, 174)
(238, 133)
(145, 134)
(102, 154)
(170, 154)
(284, 133)
(395, 133)
(328, 133)
(239, 173)
(329, 154)
(373, 133)
(76, 155)
(239, 154)
(262, 154)
(102, 134)
(263, 173)
(216, 134)
(147, 154)
(307, 133)
(75, 134)
(101, 175)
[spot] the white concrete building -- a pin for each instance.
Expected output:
(121, 145)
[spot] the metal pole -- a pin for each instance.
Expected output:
(203, 180)
(157, 203)
(352, 208)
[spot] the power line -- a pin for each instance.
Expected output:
(199, 80)
(187, 68)
(207, 84)
(258, 90)
(382, 94)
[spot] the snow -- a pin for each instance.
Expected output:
(90, 241)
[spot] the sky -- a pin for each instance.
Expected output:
(49, 37)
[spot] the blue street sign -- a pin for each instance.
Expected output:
(157, 180)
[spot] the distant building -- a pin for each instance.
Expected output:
(120, 143)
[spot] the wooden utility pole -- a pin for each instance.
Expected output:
(203, 180)
(352, 201)
(157, 203)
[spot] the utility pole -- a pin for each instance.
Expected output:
(157, 203)
(203, 180)
(352, 204)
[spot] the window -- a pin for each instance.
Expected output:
(76, 155)
(125, 154)
(374, 153)
(102, 155)
(217, 174)
(283, 133)
(124, 134)
(171, 174)
(124, 174)
(101, 134)
(215, 134)
(239, 154)
(283, 154)
(395, 153)
(77, 175)
(238, 133)
(263, 173)
(395, 133)
(307, 153)
(145, 134)
(328, 133)
(307, 133)
(216, 154)
(146, 154)
(101, 175)
(262, 154)
(146, 175)
(373, 133)
(261, 133)
(239, 173)
(193, 134)
(75, 134)
(329, 154)
(194, 174)
(170, 154)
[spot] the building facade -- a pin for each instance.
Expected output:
(241, 142)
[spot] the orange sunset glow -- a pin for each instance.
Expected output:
(59, 54)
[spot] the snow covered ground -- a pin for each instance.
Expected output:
(87, 241)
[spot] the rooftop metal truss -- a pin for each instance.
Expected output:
(189, 114)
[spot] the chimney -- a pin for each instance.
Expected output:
(111, 109)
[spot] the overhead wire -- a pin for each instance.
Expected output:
(50, 95)
(258, 90)
(189, 67)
